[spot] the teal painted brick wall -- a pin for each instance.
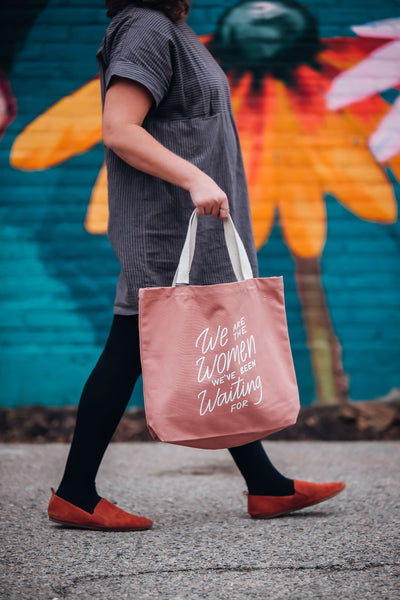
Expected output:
(58, 280)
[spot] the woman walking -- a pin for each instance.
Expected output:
(170, 144)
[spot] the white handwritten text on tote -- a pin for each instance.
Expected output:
(226, 367)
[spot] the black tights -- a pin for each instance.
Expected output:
(102, 404)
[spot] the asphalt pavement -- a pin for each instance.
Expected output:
(203, 543)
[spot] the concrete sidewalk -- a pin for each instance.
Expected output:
(203, 544)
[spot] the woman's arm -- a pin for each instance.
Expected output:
(125, 107)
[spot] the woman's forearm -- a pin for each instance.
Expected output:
(141, 150)
(126, 105)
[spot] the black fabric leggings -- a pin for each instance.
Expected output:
(102, 404)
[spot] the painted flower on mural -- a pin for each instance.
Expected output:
(286, 92)
(379, 72)
(295, 148)
(311, 122)
(68, 128)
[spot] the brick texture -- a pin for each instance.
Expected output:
(58, 279)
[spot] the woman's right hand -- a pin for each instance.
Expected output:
(208, 197)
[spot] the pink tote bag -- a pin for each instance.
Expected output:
(217, 365)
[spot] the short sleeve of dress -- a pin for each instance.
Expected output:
(141, 52)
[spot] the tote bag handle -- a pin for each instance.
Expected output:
(237, 252)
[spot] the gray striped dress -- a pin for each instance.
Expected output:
(192, 116)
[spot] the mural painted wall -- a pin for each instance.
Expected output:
(315, 91)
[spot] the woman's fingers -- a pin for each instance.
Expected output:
(208, 197)
(215, 210)
(223, 212)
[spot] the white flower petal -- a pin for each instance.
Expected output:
(386, 28)
(385, 141)
(376, 73)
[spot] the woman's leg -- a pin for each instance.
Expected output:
(270, 493)
(262, 478)
(102, 404)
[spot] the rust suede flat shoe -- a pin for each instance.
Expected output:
(306, 494)
(106, 516)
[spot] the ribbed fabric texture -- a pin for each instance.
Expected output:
(192, 116)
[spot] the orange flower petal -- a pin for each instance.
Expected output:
(97, 213)
(348, 169)
(262, 192)
(369, 113)
(252, 116)
(248, 108)
(345, 52)
(307, 97)
(303, 218)
(69, 127)
(240, 91)
(262, 213)
(300, 201)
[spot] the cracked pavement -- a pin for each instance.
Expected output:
(203, 543)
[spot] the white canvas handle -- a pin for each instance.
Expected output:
(237, 252)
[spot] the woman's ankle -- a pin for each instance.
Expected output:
(83, 498)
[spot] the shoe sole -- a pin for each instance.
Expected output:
(287, 512)
(78, 526)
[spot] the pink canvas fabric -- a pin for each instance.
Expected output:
(217, 364)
